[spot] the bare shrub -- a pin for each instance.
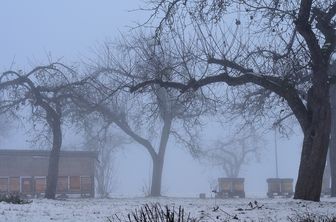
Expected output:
(156, 213)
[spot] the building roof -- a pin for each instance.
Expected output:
(72, 153)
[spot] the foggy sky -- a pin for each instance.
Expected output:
(71, 29)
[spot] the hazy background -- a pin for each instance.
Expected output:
(71, 29)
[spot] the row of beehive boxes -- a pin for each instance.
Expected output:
(234, 187)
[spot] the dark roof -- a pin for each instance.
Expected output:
(91, 154)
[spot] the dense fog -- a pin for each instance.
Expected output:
(168, 110)
(34, 31)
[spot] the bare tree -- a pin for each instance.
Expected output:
(43, 89)
(147, 118)
(276, 51)
(235, 152)
(133, 125)
(101, 138)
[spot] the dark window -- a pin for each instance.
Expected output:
(40, 185)
(75, 183)
(14, 184)
(26, 185)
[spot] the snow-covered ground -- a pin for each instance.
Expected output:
(86, 210)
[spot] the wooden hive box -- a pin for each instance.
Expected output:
(286, 186)
(230, 187)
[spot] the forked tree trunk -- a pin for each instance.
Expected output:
(315, 146)
(52, 177)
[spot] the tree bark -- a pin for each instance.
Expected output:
(158, 160)
(315, 145)
(156, 177)
(332, 157)
(332, 146)
(55, 124)
(326, 181)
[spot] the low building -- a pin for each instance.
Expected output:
(25, 171)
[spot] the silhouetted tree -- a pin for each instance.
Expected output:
(234, 152)
(44, 89)
(147, 118)
(136, 123)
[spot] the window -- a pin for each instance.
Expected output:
(75, 183)
(62, 184)
(26, 185)
(14, 184)
(3, 184)
(86, 184)
(40, 184)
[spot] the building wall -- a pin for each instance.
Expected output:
(26, 172)
(38, 166)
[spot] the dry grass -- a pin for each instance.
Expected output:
(155, 213)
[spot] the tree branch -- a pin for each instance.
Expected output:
(305, 29)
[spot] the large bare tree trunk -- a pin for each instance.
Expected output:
(315, 146)
(52, 177)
